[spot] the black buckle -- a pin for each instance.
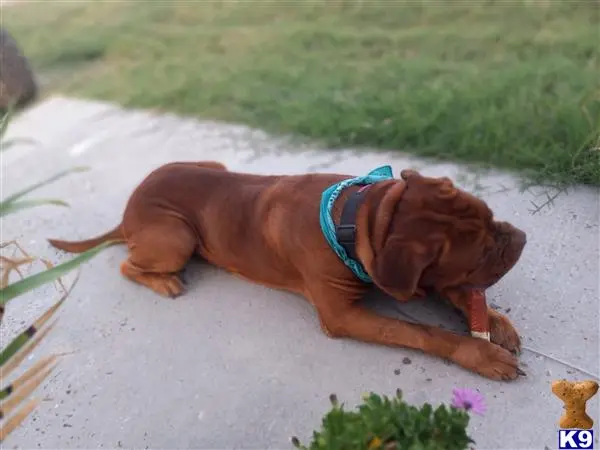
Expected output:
(345, 233)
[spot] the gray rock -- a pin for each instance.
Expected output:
(17, 81)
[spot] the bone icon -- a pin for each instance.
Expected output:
(574, 395)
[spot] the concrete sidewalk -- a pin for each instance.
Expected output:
(236, 365)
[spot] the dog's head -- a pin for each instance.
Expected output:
(441, 237)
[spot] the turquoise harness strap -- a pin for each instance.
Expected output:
(328, 199)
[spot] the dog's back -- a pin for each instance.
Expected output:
(248, 224)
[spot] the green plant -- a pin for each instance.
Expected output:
(391, 423)
(13, 405)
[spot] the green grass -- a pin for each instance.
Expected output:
(511, 84)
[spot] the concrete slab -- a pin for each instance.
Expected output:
(236, 365)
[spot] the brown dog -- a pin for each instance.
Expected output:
(414, 235)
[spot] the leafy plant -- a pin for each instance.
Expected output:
(391, 423)
(14, 403)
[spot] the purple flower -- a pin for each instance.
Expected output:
(468, 400)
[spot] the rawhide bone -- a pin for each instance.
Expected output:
(478, 315)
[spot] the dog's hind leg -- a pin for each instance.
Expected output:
(157, 252)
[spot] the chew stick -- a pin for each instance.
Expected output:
(478, 314)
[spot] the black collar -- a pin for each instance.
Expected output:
(345, 232)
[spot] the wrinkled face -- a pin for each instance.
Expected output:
(441, 237)
(476, 259)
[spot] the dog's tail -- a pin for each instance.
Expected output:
(81, 246)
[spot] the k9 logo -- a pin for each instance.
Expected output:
(576, 439)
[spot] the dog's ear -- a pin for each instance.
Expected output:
(435, 187)
(400, 263)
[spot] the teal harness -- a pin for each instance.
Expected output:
(339, 237)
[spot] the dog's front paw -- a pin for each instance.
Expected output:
(503, 333)
(488, 360)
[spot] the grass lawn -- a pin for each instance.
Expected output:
(506, 83)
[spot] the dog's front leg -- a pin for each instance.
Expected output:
(502, 331)
(341, 316)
